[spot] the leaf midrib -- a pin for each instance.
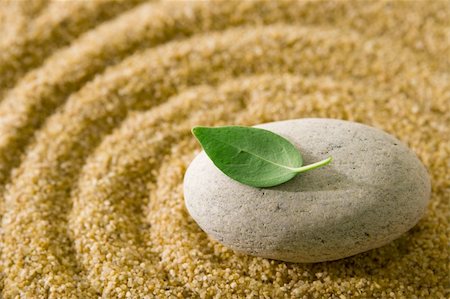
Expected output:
(271, 162)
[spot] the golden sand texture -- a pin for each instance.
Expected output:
(96, 104)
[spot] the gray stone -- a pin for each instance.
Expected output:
(374, 190)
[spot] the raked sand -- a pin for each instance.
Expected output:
(96, 104)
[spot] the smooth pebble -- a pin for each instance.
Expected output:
(374, 190)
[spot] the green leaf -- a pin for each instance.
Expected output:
(252, 156)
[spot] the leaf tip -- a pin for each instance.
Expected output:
(194, 130)
(197, 131)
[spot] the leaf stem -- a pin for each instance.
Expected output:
(312, 166)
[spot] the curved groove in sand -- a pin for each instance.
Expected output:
(27, 107)
(39, 94)
(117, 176)
(56, 26)
(15, 16)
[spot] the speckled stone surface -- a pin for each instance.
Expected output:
(374, 190)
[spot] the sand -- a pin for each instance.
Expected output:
(96, 104)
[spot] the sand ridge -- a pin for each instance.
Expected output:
(95, 118)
